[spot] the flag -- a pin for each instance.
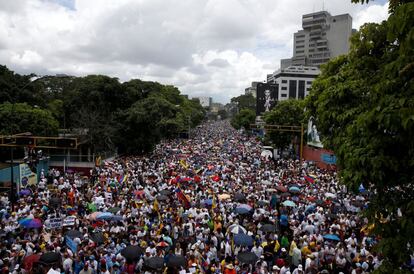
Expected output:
(309, 179)
(213, 204)
(183, 163)
(156, 205)
(122, 178)
(71, 244)
(216, 178)
(183, 198)
(92, 207)
(98, 161)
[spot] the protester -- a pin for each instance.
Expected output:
(212, 199)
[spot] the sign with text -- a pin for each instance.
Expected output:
(55, 223)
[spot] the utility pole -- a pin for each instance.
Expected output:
(12, 194)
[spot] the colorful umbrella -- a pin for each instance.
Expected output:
(25, 192)
(331, 237)
(30, 223)
(294, 189)
(94, 215)
(163, 244)
(289, 203)
(114, 210)
(104, 216)
(282, 188)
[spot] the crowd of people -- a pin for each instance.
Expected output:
(209, 204)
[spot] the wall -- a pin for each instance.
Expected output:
(316, 155)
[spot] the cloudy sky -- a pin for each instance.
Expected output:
(204, 47)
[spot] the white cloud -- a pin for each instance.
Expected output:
(209, 47)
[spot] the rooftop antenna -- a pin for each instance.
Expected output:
(323, 5)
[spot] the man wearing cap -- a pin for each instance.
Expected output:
(298, 270)
(86, 269)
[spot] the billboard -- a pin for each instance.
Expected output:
(313, 134)
(27, 177)
(267, 95)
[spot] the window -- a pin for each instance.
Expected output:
(299, 51)
(301, 94)
(309, 82)
(284, 88)
(283, 95)
(292, 88)
(284, 81)
(300, 47)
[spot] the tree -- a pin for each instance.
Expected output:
(244, 119)
(144, 124)
(245, 101)
(18, 118)
(286, 113)
(364, 103)
(223, 114)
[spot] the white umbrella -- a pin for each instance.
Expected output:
(236, 229)
(266, 182)
(330, 195)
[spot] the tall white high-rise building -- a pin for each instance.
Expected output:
(323, 37)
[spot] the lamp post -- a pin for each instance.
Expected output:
(12, 189)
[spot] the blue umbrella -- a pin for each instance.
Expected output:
(243, 240)
(242, 210)
(207, 202)
(116, 218)
(105, 216)
(289, 203)
(310, 209)
(332, 237)
(294, 189)
(25, 192)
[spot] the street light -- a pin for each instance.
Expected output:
(12, 194)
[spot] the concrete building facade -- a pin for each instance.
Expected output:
(252, 89)
(323, 37)
(294, 82)
(205, 101)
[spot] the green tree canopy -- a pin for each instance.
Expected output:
(244, 119)
(364, 103)
(245, 102)
(21, 117)
(285, 113)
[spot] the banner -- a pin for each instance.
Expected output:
(266, 99)
(313, 134)
(71, 244)
(55, 223)
(27, 177)
(69, 221)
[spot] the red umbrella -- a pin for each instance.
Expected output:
(282, 188)
(162, 244)
(139, 193)
(29, 261)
